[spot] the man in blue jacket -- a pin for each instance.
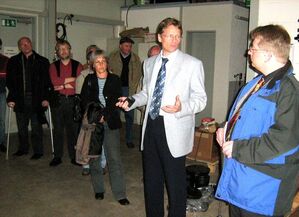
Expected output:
(260, 141)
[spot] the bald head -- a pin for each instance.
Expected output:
(154, 50)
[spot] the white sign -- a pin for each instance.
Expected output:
(10, 51)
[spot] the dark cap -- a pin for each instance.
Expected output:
(126, 39)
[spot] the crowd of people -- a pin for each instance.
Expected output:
(260, 142)
(34, 84)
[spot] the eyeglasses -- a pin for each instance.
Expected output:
(251, 49)
(172, 37)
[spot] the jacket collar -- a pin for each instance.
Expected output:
(278, 74)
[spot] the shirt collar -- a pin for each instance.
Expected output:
(124, 55)
(171, 56)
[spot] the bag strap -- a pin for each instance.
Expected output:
(57, 65)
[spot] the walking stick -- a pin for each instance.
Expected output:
(8, 132)
(51, 128)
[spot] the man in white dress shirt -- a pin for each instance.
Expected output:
(167, 136)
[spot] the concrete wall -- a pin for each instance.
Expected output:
(219, 17)
(277, 12)
(31, 5)
(80, 34)
(83, 33)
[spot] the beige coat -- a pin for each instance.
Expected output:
(115, 65)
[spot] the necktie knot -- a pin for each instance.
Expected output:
(164, 61)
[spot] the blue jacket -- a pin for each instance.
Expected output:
(262, 173)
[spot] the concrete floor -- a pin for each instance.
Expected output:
(30, 188)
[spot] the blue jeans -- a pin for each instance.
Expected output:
(129, 117)
(2, 117)
(112, 151)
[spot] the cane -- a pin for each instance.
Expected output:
(51, 128)
(8, 132)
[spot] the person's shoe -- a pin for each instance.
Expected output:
(99, 196)
(130, 145)
(2, 148)
(20, 153)
(85, 172)
(36, 156)
(73, 161)
(124, 202)
(55, 162)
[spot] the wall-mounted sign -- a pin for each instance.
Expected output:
(9, 22)
(10, 51)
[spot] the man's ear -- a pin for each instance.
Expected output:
(159, 38)
(268, 56)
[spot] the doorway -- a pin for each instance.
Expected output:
(201, 44)
(11, 34)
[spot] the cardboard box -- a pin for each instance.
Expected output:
(205, 147)
(149, 37)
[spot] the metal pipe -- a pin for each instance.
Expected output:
(8, 132)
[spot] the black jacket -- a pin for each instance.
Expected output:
(40, 81)
(112, 91)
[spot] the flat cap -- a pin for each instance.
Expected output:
(126, 39)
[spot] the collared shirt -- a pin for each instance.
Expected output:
(124, 55)
(169, 65)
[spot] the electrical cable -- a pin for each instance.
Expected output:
(63, 28)
(63, 36)
(128, 13)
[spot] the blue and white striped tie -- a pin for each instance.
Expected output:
(158, 91)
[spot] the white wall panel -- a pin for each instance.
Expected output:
(284, 13)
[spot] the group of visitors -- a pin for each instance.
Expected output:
(260, 142)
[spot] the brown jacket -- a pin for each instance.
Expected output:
(115, 65)
(91, 136)
(83, 142)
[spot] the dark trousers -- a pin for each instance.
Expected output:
(235, 211)
(62, 117)
(160, 167)
(23, 119)
(115, 166)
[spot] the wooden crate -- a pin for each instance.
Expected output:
(205, 147)
(295, 206)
